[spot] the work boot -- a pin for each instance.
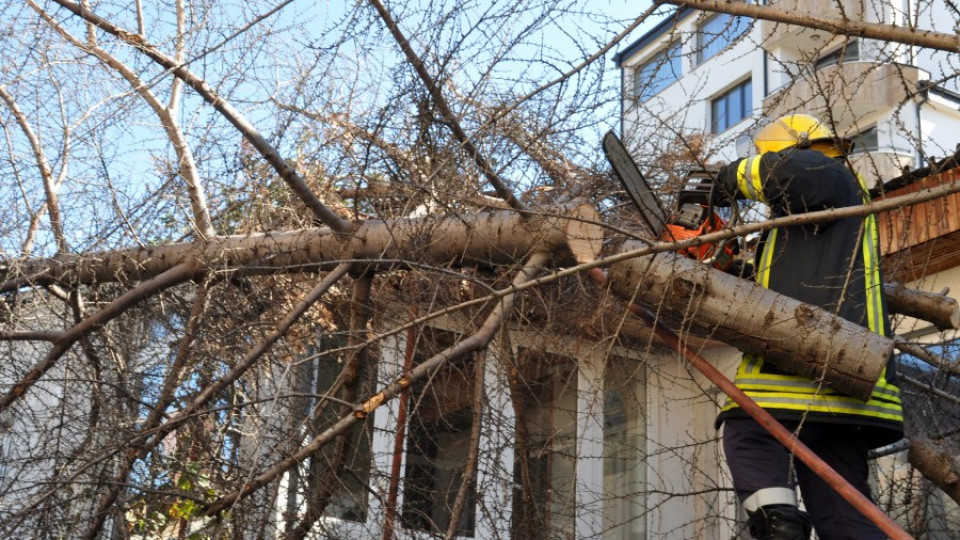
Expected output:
(779, 522)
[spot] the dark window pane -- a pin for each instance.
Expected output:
(718, 32)
(735, 105)
(719, 114)
(658, 73)
(731, 107)
(848, 53)
(747, 99)
(866, 140)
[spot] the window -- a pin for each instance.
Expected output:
(731, 107)
(624, 468)
(866, 140)
(658, 73)
(544, 504)
(847, 53)
(438, 442)
(717, 32)
(339, 480)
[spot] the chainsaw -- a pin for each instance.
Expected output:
(691, 215)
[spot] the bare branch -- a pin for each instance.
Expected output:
(288, 173)
(114, 309)
(46, 173)
(838, 25)
(501, 187)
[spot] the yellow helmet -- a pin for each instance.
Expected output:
(801, 131)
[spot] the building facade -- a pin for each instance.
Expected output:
(718, 77)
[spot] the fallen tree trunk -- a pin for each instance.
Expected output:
(570, 233)
(936, 464)
(938, 309)
(798, 338)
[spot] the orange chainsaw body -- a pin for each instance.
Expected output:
(677, 229)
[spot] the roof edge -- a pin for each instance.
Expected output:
(659, 30)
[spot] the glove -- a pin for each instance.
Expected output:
(725, 189)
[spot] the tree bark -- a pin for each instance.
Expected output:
(938, 309)
(838, 25)
(571, 233)
(798, 338)
(936, 464)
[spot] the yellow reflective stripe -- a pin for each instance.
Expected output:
(750, 376)
(871, 267)
(749, 365)
(831, 405)
(815, 391)
(893, 414)
(885, 389)
(748, 179)
(755, 174)
(766, 260)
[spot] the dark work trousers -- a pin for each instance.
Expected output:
(757, 460)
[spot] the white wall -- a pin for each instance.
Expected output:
(684, 107)
(684, 456)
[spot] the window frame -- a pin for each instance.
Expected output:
(744, 89)
(667, 61)
(848, 52)
(720, 38)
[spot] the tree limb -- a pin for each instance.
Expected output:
(451, 119)
(117, 307)
(937, 463)
(838, 25)
(490, 237)
(288, 173)
(166, 114)
(938, 309)
(46, 173)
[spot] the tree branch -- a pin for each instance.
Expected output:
(167, 116)
(46, 173)
(288, 173)
(838, 25)
(171, 277)
(499, 185)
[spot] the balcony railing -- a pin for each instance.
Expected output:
(878, 166)
(850, 91)
(778, 34)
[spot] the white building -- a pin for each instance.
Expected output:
(722, 76)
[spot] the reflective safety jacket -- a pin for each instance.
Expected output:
(834, 265)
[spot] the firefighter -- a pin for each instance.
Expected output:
(799, 168)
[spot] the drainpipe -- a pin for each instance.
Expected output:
(766, 89)
(924, 93)
(623, 96)
(924, 97)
